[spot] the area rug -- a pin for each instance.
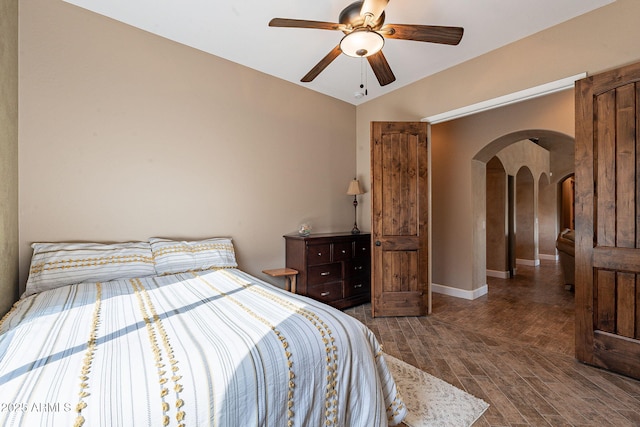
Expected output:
(432, 402)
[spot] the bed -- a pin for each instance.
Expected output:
(172, 333)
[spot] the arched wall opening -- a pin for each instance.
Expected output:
(460, 151)
(526, 215)
(520, 157)
(497, 244)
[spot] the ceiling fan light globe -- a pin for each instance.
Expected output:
(361, 43)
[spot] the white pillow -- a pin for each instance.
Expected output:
(173, 256)
(59, 264)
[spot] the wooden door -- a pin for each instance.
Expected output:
(399, 176)
(607, 218)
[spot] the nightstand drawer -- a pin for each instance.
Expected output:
(357, 266)
(326, 292)
(357, 286)
(319, 254)
(324, 273)
(362, 248)
(342, 251)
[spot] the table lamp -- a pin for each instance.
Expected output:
(355, 190)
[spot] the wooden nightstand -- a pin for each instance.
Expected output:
(333, 267)
(289, 275)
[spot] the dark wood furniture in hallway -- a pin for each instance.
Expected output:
(514, 348)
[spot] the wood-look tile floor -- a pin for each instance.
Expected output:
(512, 348)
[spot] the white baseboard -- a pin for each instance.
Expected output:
(529, 262)
(459, 293)
(549, 257)
(498, 274)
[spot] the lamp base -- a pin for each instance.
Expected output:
(355, 216)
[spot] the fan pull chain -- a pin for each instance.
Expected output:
(363, 76)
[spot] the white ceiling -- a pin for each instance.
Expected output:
(238, 30)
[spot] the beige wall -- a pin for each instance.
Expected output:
(125, 135)
(525, 154)
(603, 39)
(8, 153)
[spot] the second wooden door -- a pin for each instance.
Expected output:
(400, 196)
(608, 220)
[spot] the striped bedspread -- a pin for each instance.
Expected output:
(219, 348)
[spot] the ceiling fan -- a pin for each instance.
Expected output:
(362, 22)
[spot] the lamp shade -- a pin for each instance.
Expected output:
(354, 188)
(361, 42)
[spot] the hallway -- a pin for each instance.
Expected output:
(533, 308)
(514, 349)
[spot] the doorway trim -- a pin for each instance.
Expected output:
(501, 101)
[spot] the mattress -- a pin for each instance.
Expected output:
(218, 347)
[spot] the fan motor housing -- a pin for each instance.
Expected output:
(350, 16)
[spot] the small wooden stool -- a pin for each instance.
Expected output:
(289, 275)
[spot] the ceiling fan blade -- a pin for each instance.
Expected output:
(320, 66)
(381, 68)
(301, 23)
(423, 33)
(374, 8)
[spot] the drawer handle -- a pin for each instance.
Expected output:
(319, 253)
(359, 285)
(344, 252)
(324, 294)
(359, 267)
(325, 273)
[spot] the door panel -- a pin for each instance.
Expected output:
(608, 220)
(399, 171)
(399, 275)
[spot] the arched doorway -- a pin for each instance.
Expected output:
(526, 216)
(537, 218)
(497, 244)
(548, 218)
